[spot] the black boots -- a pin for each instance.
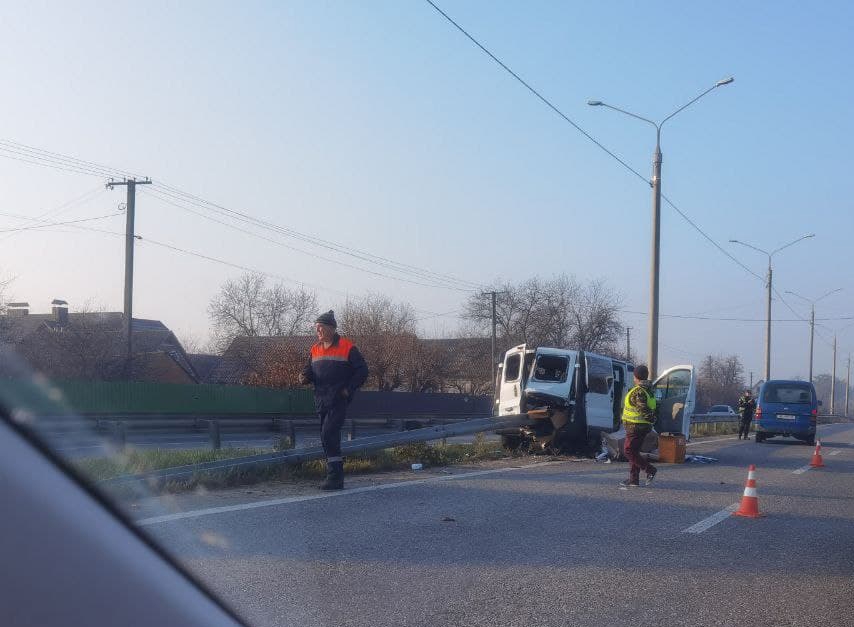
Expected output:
(334, 476)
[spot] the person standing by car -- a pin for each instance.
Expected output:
(337, 369)
(638, 418)
(746, 407)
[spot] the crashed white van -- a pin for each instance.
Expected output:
(573, 397)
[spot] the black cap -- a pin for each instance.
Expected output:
(327, 318)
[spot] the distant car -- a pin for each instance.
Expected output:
(721, 410)
(788, 408)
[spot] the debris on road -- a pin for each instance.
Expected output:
(700, 459)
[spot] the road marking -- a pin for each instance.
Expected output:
(836, 452)
(328, 495)
(711, 521)
(801, 470)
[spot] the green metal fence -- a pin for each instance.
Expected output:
(94, 398)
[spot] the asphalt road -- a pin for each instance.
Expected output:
(548, 544)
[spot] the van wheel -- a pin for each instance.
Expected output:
(811, 441)
(759, 439)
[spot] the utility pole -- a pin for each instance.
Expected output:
(628, 344)
(129, 241)
(833, 380)
(751, 380)
(847, 384)
(494, 294)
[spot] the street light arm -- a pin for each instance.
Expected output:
(629, 113)
(764, 252)
(721, 83)
(838, 289)
(792, 243)
(795, 294)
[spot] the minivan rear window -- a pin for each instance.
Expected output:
(787, 393)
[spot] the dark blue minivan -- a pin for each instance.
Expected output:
(788, 408)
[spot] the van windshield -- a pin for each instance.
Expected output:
(787, 393)
(551, 368)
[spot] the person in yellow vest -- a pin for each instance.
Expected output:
(638, 418)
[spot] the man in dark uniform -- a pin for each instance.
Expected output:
(746, 407)
(638, 418)
(337, 369)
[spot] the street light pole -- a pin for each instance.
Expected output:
(833, 381)
(768, 325)
(652, 349)
(812, 318)
(770, 288)
(655, 183)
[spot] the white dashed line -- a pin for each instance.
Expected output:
(711, 521)
(801, 470)
(836, 452)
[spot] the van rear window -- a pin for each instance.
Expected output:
(787, 393)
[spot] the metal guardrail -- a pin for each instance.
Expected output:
(295, 456)
(361, 445)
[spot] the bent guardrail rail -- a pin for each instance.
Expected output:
(293, 456)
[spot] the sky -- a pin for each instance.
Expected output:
(378, 126)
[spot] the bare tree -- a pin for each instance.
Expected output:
(384, 332)
(720, 381)
(559, 312)
(248, 307)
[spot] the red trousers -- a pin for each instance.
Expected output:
(635, 435)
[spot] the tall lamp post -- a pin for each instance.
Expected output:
(812, 317)
(770, 287)
(655, 183)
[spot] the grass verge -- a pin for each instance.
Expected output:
(397, 458)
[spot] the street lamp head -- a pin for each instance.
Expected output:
(734, 241)
(725, 81)
(594, 103)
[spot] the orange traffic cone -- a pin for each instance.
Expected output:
(817, 462)
(749, 502)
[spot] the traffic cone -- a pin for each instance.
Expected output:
(817, 462)
(749, 502)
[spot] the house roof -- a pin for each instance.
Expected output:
(149, 336)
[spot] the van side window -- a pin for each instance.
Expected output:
(600, 374)
(513, 367)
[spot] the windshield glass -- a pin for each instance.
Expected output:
(551, 368)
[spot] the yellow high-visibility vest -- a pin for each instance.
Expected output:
(631, 414)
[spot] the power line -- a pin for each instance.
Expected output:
(717, 319)
(545, 100)
(425, 274)
(37, 156)
(709, 237)
(50, 224)
(299, 250)
(566, 118)
(238, 266)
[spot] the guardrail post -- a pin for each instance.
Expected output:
(401, 424)
(351, 434)
(292, 433)
(213, 431)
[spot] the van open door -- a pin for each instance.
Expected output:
(675, 394)
(512, 383)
